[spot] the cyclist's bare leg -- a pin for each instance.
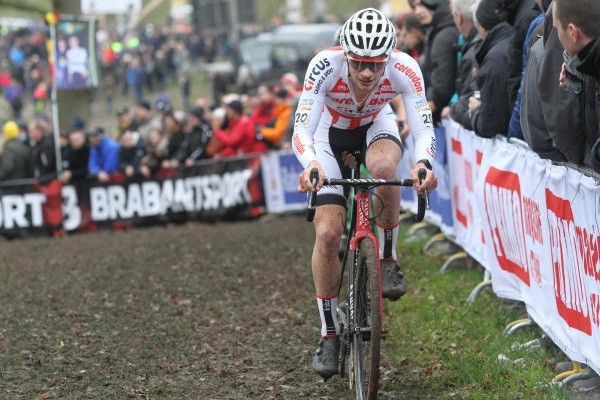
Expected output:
(329, 226)
(382, 158)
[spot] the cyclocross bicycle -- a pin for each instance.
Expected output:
(360, 315)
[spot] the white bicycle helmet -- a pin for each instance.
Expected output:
(368, 33)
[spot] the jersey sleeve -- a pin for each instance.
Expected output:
(408, 78)
(319, 78)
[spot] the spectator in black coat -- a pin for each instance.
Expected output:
(544, 104)
(490, 114)
(198, 133)
(42, 156)
(519, 14)
(462, 11)
(438, 60)
(173, 131)
(75, 165)
(131, 153)
(576, 22)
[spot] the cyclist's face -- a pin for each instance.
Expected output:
(365, 72)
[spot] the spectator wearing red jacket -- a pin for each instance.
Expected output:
(237, 135)
(263, 112)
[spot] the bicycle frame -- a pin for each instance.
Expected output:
(362, 231)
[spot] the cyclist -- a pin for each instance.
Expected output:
(344, 107)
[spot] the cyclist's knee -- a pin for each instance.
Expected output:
(329, 234)
(382, 169)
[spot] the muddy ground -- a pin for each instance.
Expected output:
(197, 311)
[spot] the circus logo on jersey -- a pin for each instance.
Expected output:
(340, 87)
(412, 75)
(317, 69)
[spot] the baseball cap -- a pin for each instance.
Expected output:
(197, 112)
(145, 104)
(97, 131)
(236, 105)
(77, 124)
(281, 93)
(122, 110)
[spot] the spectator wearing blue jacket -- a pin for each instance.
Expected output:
(135, 76)
(104, 155)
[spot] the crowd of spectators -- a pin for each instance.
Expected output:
(526, 69)
(519, 68)
(147, 137)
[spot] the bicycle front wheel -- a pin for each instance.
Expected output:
(366, 343)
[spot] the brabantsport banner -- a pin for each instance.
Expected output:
(22, 209)
(227, 190)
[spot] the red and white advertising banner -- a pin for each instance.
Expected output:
(465, 155)
(542, 237)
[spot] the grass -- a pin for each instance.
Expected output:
(444, 345)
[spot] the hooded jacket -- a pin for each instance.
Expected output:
(465, 81)
(438, 60)
(492, 116)
(520, 14)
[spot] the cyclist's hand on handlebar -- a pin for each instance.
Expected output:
(304, 182)
(429, 183)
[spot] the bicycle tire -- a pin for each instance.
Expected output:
(366, 343)
(344, 319)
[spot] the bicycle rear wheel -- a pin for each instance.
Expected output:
(366, 343)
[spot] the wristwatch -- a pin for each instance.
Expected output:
(426, 162)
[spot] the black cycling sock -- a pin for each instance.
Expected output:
(327, 310)
(387, 242)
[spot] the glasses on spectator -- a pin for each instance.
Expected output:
(360, 64)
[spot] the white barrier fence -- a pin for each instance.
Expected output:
(534, 225)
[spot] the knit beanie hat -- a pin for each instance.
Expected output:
(431, 4)
(10, 130)
(236, 105)
(486, 14)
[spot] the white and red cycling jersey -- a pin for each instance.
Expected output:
(328, 101)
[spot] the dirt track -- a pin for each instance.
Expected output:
(197, 311)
